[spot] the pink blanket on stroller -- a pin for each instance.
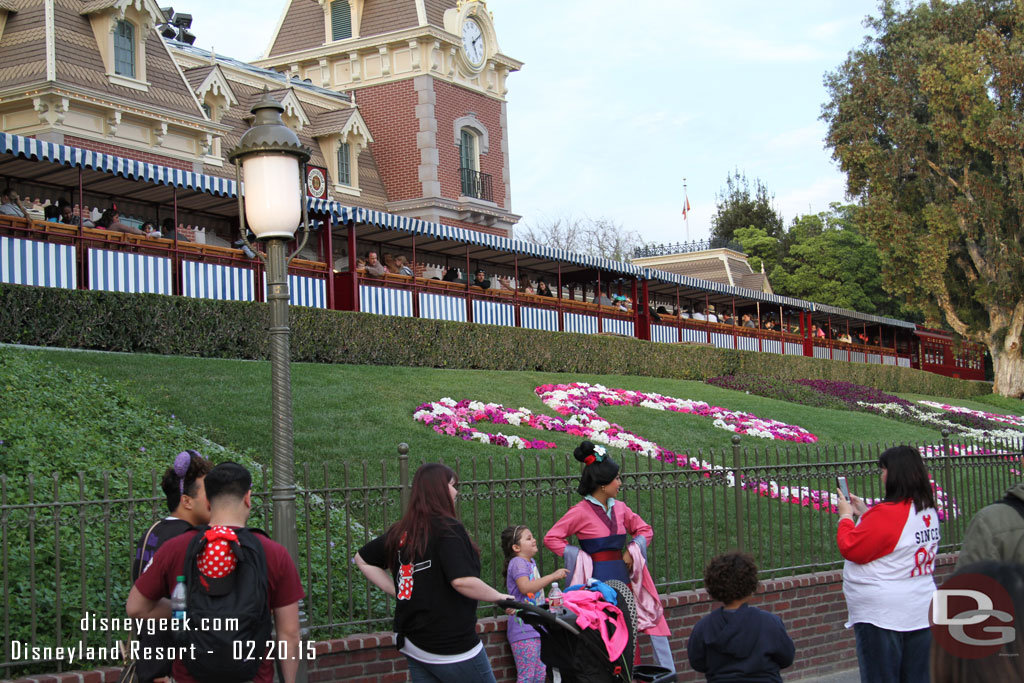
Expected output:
(592, 611)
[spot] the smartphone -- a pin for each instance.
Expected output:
(841, 481)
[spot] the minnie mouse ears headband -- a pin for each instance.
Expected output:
(588, 453)
(181, 464)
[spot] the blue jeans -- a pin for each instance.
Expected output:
(476, 670)
(892, 656)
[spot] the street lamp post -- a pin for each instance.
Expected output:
(273, 162)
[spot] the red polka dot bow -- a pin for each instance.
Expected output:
(218, 560)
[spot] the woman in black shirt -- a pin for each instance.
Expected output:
(430, 565)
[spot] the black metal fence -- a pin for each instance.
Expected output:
(66, 552)
(687, 247)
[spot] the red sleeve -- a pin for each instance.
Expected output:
(635, 524)
(283, 582)
(877, 534)
(557, 536)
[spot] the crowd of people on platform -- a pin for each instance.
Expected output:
(63, 211)
(428, 562)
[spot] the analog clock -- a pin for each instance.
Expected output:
(473, 42)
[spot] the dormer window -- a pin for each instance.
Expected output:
(344, 164)
(124, 49)
(120, 29)
(341, 20)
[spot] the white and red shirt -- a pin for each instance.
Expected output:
(890, 554)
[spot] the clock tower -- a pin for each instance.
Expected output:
(429, 79)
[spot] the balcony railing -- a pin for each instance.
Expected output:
(686, 247)
(476, 184)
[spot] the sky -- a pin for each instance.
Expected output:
(618, 102)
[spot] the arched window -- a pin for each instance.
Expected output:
(474, 183)
(124, 49)
(341, 20)
(344, 164)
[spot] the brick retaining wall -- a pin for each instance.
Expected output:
(810, 605)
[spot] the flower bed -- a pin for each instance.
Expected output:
(1015, 420)
(847, 395)
(579, 403)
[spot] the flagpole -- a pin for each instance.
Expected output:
(686, 210)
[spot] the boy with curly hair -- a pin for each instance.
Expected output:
(737, 642)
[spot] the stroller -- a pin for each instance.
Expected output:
(579, 654)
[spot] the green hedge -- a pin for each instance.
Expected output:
(227, 329)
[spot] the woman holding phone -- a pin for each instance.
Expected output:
(887, 578)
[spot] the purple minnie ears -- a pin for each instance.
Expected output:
(181, 464)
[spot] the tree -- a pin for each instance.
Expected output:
(822, 257)
(737, 207)
(927, 120)
(829, 261)
(591, 236)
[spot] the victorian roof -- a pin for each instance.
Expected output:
(76, 60)
(302, 24)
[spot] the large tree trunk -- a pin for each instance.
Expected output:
(1008, 363)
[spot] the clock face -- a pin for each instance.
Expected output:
(316, 184)
(473, 42)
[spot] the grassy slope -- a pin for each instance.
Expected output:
(357, 413)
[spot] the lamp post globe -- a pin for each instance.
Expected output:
(270, 155)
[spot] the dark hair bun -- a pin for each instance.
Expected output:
(583, 450)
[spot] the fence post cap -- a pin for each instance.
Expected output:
(736, 439)
(945, 433)
(403, 448)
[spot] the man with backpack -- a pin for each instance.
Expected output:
(996, 532)
(235, 577)
(183, 485)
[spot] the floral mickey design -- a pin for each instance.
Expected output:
(580, 400)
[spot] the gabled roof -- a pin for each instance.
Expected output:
(214, 80)
(198, 74)
(23, 46)
(385, 16)
(329, 122)
(301, 27)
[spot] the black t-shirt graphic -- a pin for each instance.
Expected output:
(430, 613)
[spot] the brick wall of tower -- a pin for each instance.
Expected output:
(452, 103)
(135, 154)
(390, 112)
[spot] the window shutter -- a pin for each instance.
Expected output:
(341, 20)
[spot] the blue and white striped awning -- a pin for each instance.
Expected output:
(449, 232)
(724, 289)
(867, 317)
(76, 157)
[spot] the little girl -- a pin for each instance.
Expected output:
(522, 579)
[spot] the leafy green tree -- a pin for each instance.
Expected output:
(833, 264)
(740, 207)
(926, 118)
(761, 248)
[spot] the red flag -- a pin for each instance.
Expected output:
(686, 206)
